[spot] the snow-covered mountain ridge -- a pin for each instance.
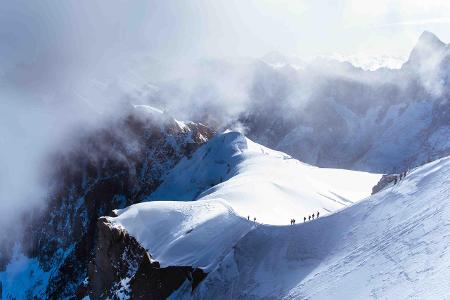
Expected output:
(283, 188)
(382, 246)
(248, 180)
(393, 245)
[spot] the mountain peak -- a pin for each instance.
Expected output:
(427, 46)
(429, 39)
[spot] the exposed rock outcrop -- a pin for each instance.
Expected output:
(122, 267)
(384, 182)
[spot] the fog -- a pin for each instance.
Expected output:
(66, 65)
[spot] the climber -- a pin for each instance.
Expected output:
(309, 218)
(317, 214)
(248, 218)
(313, 216)
(304, 219)
(254, 219)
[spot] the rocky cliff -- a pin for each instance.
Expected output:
(123, 268)
(111, 167)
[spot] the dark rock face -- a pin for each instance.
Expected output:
(109, 168)
(387, 180)
(153, 282)
(122, 267)
(384, 182)
(117, 256)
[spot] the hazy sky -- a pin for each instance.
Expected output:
(94, 29)
(307, 28)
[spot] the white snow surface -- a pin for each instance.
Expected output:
(194, 233)
(393, 245)
(257, 182)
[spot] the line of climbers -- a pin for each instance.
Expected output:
(400, 176)
(397, 179)
(309, 218)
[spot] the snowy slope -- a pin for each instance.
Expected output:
(394, 245)
(184, 233)
(266, 184)
(262, 183)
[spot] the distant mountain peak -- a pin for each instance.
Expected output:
(278, 60)
(429, 39)
(427, 46)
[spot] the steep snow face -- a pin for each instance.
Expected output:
(259, 182)
(394, 245)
